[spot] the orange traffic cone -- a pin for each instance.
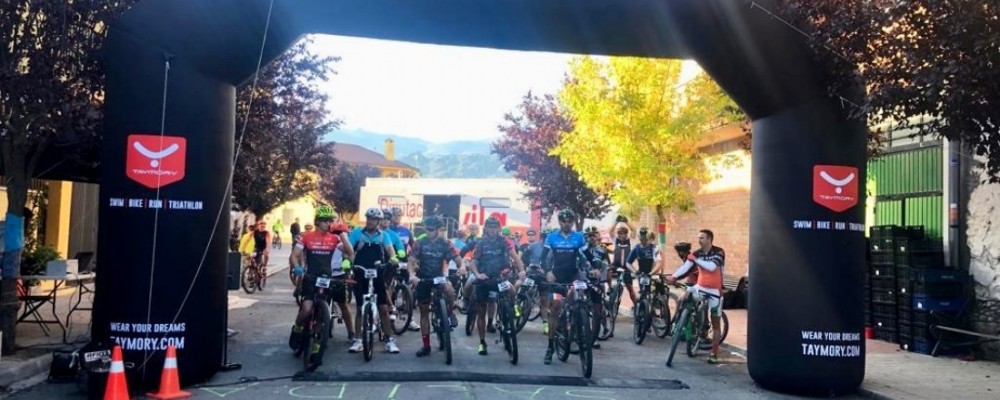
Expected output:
(117, 387)
(170, 384)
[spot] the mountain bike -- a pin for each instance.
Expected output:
(401, 300)
(254, 277)
(440, 320)
(276, 242)
(706, 343)
(612, 301)
(527, 296)
(574, 326)
(506, 321)
(371, 323)
(318, 329)
(691, 325)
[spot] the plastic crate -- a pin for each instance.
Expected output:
(883, 284)
(882, 231)
(914, 232)
(935, 275)
(904, 315)
(884, 297)
(924, 303)
(883, 271)
(888, 335)
(883, 257)
(884, 310)
(936, 290)
(921, 259)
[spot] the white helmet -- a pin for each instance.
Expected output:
(374, 213)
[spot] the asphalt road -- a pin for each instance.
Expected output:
(622, 369)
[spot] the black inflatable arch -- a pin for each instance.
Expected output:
(806, 249)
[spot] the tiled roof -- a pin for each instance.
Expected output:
(354, 154)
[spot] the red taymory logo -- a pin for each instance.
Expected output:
(835, 187)
(155, 161)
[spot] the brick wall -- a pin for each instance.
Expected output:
(727, 214)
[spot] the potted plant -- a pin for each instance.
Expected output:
(33, 262)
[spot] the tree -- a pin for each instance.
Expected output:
(525, 150)
(342, 186)
(281, 154)
(637, 127)
(926, 64)
(52, 81)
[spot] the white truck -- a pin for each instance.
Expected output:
(460, 201)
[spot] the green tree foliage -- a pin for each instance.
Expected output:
(637, 128)
(282, 154)
(529, 136)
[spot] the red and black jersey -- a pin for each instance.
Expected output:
(319, 248)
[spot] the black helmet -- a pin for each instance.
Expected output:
(643, 232)
(683, 248)
(591, 231)
(432, 222)
(621, 218)
(567, 215)
(492, 222)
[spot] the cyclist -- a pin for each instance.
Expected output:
(710, 260)
(597, 254)
(431, 255)
(315, 250)
(277, 228)
(532, 257)
(647, 256)
(339, 258)
(493, 254)
(372, 244)
(401, 247)
(621, 250)
(466, 253)
(566, 247)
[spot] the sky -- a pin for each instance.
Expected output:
(431, 92)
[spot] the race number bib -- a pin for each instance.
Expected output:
(323, 282)
(402, 266)
(504, 285)
(579, 285)
(644, 280)
(440, 280)
(529, 282)
(371, 273)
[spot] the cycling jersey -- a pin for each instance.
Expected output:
(397, 244)
(647, 255)
(597, 253)
(566, 250)
(533, 254)
(432, 254)
(369, 247)
(470, 246)
(405, 236)
(621, 251)
(492, 255)
(318, 248)
(260, 240)
(710, 265)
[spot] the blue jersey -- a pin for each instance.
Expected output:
(358, 237)
(405, 236)
(397, 244)
(566, 250)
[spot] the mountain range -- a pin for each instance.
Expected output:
(454, 159)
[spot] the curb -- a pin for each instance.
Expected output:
(19, 371)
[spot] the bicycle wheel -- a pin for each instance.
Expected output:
(723, 329)
(248, 279)
(368, 327)
(639, 322)
(402, 298)
(525, 302)
(536, 308)
(444, 330)
(562, 335)
(510, 333)
(695, 335)
(585, 341)
(318, 337)
(661, 317)
(673, 304)
(261, 279)
(678, 335)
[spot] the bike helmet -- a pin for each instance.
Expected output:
(643, 232)
(505, 231)
(374, 213)
(591, 231)
(397, 212)
(492, 222)
(387, 213)
(682, 248)
(325, 212)
(567, 216)
(621, 218)
(433, 222)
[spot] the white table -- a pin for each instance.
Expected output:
(36, 301)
